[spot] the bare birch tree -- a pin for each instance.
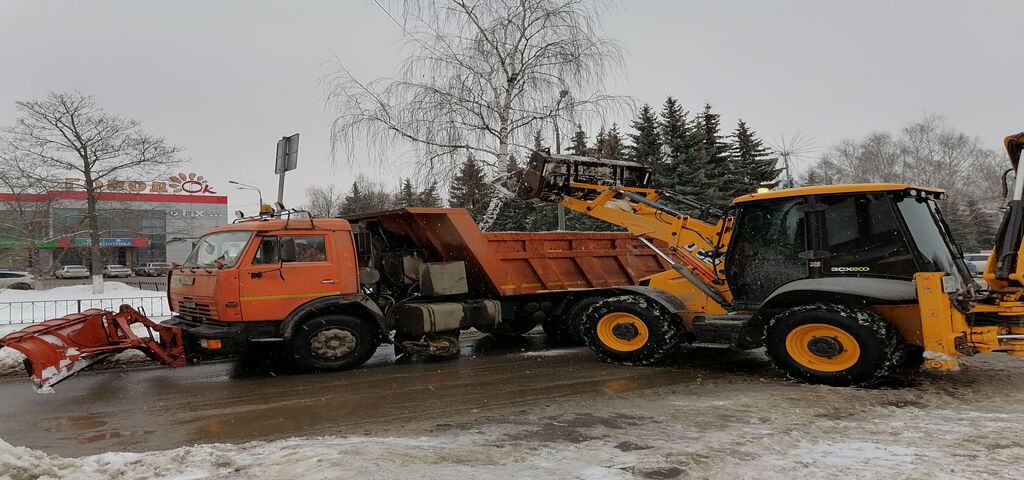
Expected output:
(70, 133)
(927, 152)
(481, 77)
(324, 201)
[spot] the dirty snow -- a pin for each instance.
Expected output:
(889, 442)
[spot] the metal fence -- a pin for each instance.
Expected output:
(40, 310)
(155, 285)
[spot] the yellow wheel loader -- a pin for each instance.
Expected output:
(841, 284)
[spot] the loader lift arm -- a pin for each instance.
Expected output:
(617, 192)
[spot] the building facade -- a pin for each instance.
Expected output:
(139, 222)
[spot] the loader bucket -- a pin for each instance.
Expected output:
(548, 177)
(57, 349)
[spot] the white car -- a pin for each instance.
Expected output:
(16, 280)
(978, 260)
(116, 271)
(72, 271)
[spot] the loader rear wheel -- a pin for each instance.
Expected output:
(834, 345)
(631, 330)
(333, 342)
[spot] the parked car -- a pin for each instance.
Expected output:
(72, 271)
(152, 269)
(978, 260)
(16, 280)
(114, 271)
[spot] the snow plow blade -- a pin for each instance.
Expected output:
(57, 349)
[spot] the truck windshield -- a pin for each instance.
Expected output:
(225, 247)
(932, 237)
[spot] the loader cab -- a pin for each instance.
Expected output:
(870, 231)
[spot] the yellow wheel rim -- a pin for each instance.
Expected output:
(622, 332)
(822, 347)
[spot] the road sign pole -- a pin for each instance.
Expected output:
(280, 187)
(287, 159)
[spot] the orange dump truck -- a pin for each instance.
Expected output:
(328, 291)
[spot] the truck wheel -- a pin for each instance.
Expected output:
(333, 342)
(631, 330)
(565, 329)
(834, 345)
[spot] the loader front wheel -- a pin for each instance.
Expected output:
(333, 342)
(631, 330)
(834, 345)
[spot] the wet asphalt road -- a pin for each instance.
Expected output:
(143, 409)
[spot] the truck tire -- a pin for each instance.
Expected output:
(333, 342)
(566, 329)
(834, 345)
(631, 330)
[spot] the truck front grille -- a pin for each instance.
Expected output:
(188, 306)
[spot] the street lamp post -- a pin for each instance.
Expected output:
(245, 186)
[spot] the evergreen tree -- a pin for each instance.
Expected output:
(646, 142)
(428, 196)
(612, 147)
(579, 142)
(753, 162)
(355, 201)
(470, 189)
(407, 195)
(710, 177)
(675, 132)
(599, 143)
(538, 141)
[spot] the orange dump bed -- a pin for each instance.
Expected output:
(516, 263)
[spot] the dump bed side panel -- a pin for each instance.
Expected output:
(535, 262)
(517, 263)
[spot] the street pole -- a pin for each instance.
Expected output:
(280, 188)
(558, 150)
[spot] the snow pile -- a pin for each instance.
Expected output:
(60, 301)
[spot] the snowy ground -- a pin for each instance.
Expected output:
(718, 427)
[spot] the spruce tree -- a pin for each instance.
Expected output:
(579, 142)
(515, 214)
(646, 145)
(711, 177)
(355, 201)
(753, 162)
(612, 146)
(538, 141)
(675, 131)
(428, 197)
(407, 195)
(599, 143)
(470, 189)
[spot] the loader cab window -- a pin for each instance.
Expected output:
(931, 236)
(307, 248)
(765, 249)
(863, 236)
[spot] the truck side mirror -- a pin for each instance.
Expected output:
(287, 250)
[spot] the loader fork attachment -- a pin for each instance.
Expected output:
(57, 349)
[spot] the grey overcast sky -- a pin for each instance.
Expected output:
(226, 79)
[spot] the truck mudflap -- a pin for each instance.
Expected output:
(59, 348)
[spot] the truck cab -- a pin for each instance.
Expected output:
(244, 280)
